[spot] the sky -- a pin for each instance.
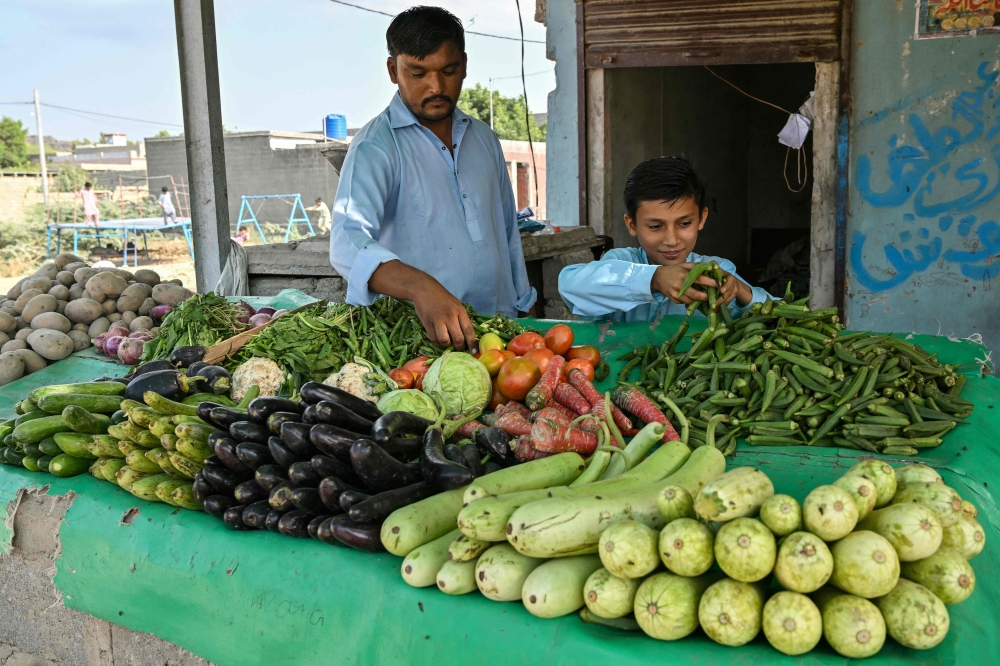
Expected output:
(283, 65)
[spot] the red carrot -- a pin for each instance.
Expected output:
(569, 397)
(551, 437)
(554, 414)
(513, 424)
(515, 407)
(633, 400)
(596, 400)
(565, 411)
(525, 451)
(539, 396)
(468, 429)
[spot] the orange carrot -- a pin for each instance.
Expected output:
(634, 401)
(539, 396)
(596, 400)
(569, 397)
(525, 451)
(551, 437)
(515, 407)
(554, 414)
(513, 424)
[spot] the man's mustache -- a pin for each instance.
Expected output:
(436, 98)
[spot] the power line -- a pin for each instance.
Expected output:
(108, 115)
(518, 76)
(468, 32)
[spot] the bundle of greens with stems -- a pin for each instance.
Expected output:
(315, 342)
(783, 375)
(200, 320)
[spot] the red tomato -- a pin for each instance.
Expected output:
(404, 378)
(522, 343)
(539, 357)
(559, 339)
(497, 398)
(493, 359)
(517, 377)
(587, 368)
(585, 352)
(418, 367)
(508, 354)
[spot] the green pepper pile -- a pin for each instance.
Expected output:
(783, 375)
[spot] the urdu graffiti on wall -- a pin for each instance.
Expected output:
(952, 18)
(944, 179)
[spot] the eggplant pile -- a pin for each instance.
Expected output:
(331, 466)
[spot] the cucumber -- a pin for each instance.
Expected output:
(609, 596)
(43, 462)
(127, 476)
(145, 488)
(501, 572)
(66, 465)
(49, 447)
(555, 588)
(118, 417)
(421, 565)
(183, 497)
(75, 444)
(138, 461)
(463, 548)
(80, 420)
(102, 404)
(167, 406)
(185, 466)
(560, 470)
(164, 488)
(178, 419)
(87, 388)
(109, 467)
(564, 526)
(38, 429)
(199, 432)
(6, 429)
(33, 450)
(423, 521)
(196, 399)
(13, 456)
(30, 463)
(487, 518)
(193, 449)
(104, 446)
(457, 577)
(117, 431)
(29, 416)
(735, 494)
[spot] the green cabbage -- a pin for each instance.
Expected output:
(409, 400)
(460, 381)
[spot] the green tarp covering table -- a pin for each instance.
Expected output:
(262, 598)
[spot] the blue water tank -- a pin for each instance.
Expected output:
(336, 127)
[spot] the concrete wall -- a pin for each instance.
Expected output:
(562, 189)
(923, 209)
(253, 167)
(17, 192)
(36, 629)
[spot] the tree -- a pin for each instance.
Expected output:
(508, 113)
(13, 147)
(161, 134)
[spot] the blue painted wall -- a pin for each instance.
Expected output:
(923, 214)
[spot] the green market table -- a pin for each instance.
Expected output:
(262, 598)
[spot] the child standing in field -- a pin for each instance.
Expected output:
(168, 208)
(90, 213)
(665, 201)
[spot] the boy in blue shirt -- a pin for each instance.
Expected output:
(665, 201)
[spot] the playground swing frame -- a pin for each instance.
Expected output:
(248, 215)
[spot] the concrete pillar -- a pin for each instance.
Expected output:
(199, 66)
(562, 139)
(598, 156)
(823, 229)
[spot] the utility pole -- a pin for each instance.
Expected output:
(41, 152)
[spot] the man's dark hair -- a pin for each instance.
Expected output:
(663, 179)
(420, 31)
(86, 184)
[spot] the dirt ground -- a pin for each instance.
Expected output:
(169, 258)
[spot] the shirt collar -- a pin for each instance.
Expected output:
(401, 116)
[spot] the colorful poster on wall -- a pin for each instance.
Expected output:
(953, 18)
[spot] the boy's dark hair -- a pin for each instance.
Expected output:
(164, 188)
(663, 179)
(420, 31)
(86, 184)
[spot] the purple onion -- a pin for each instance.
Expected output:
(112, 343)
(130, 350)
(267, 309)
(118, 329)
(279, 313)
(247, 307)
(244, 319)
(259, 319)
(159, 312)
(100, 340)
(145, 336)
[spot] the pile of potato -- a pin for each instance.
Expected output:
(67, 303)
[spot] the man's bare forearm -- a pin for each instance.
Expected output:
(396, 279)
